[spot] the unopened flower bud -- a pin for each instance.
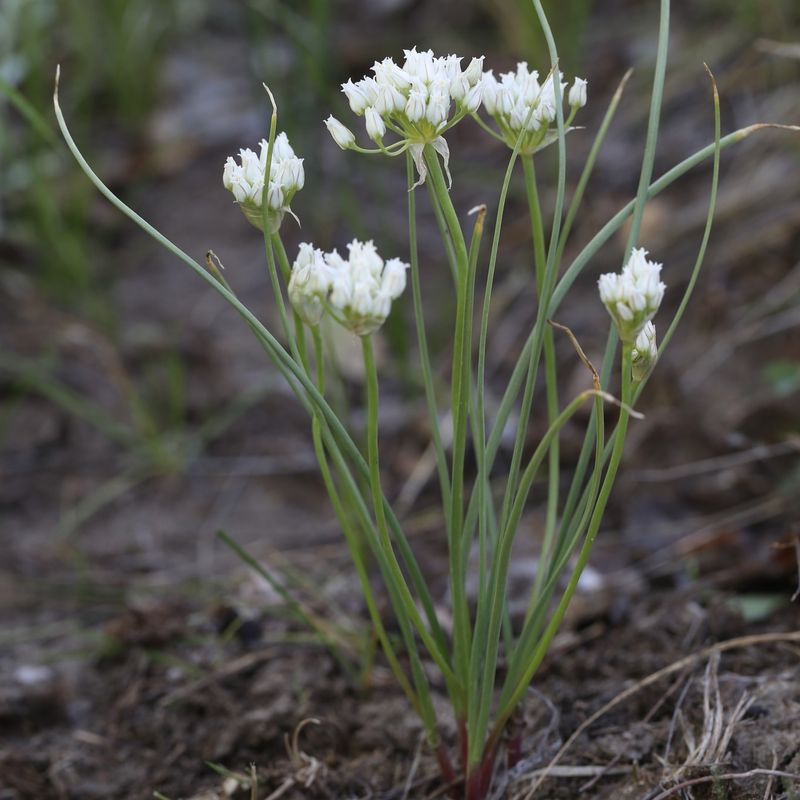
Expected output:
(474, 70)
(361, 300)
(281, 149)
(415, 107)
(389, 99)
(309, 284)
(355, 96)
(438, 108)
(342, 135)
(489, 88)
(459, 87)
(294, 176)
(381, 305)
(577, 94)
(393, 281)
(644, 353)
(375, 125)
(473, 99)
(388, 73)
(341, 281)
(275, 196)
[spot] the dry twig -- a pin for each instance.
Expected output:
(677, 666)
(729, 776)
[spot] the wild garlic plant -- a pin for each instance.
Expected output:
(415, 103)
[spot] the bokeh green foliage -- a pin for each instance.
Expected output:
(517, 22)
(778, 18)
(113, 51)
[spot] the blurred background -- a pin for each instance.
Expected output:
(138, 418)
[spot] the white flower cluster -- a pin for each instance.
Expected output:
(644, 353)
(518, 102)
(246, 181)
(633, 296)
(357, 291)
(418, 96)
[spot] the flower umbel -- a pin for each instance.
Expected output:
(357, 291)
(633, 296)
(521, 105)
(419, 100)
(644, 353)
(246, 181)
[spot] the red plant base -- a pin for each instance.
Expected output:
(445, 764)
(477, 782)
(513, 751)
